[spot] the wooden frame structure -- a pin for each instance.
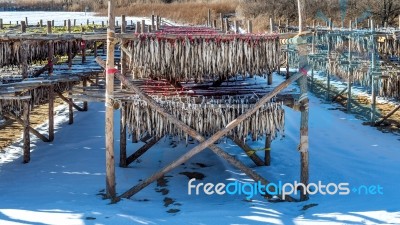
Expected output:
(111, 72)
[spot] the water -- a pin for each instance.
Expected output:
(81, 17)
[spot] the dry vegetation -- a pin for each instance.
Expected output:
(195, 11)
(187, 12)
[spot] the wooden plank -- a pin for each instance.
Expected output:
(204, 143)
(109, 135)
(142, 150)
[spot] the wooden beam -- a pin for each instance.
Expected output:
(249, 151)
(193, 133)
(31, 129)
(387, 116)
(46, 67)
(69, 101)
(109, 135)
(339, 94)
(142, 150)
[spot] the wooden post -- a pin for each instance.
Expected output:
(1, 24)
(123, 24)
(102, 23)
(249, 27)
(372, 78)
(399, 22)
(24, 60)
(49, 30)
(222, 22)
(236, 27)
(356, 24)
(271, 25)
(122, 150)
(330, 24)
(123, 54)
(138, 30)
(287, 25)
(26, 136)
(51, 113)
(303, 100)
(23, 27)
(95, 48)
(52, 23)
(287, 63)
(328, 75)
(87, 22)
(74, 22)
(143, 27)
(209, 18)
(350, 76)
(226, 25)
(153, 22)
(26, 21)
(109, 136)
(267, 156)
(65, 23)
(215, 24)
(301, 4)
(69, 26)
(85, 103)
(69, 55)
(117, 24)
(50, 57)
(70, 108)
(83, 50)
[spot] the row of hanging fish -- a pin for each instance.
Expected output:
(11, 105)
(362, 45)
(199, 59)
(10, 51)
(38, 96)
(206, 118)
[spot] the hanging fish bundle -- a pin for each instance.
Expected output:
(15, 106)
(206, 117)
(10, 51)
(207, 58)
(390, 87)
(40, 95)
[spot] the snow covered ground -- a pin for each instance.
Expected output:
(64, 181)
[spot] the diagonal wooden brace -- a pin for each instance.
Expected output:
(31, 129)
(69, 102)
(204, 142)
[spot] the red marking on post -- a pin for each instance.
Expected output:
(303, 71)
(112, 71)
